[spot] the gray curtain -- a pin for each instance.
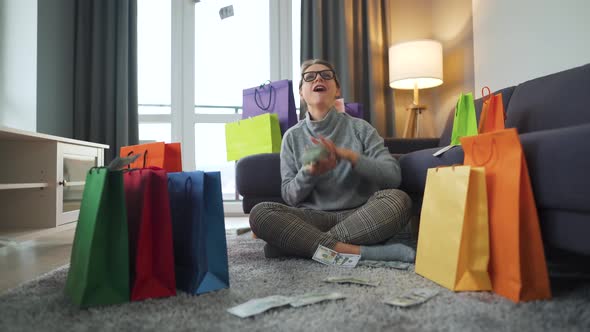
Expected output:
(354, 36)
(105, 73)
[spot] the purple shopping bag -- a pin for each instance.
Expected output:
(354, 109)
(271, 97)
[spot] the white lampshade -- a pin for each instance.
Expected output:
(416, 64)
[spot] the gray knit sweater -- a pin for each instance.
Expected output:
(344, 187)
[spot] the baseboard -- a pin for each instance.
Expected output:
(233, 209)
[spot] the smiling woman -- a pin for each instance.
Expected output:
(344, 197)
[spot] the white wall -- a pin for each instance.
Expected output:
(448, 21)
(515, 41)
(18, 64)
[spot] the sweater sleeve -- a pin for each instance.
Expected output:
(296, 182)
(376, 163)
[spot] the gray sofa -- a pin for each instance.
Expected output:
(552, 116)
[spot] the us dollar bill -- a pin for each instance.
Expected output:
(346, 260)
(324, 255)
(311, 298)
(388, 264)
(260, 305)
(122, 162)
(412, 297)
(328, 256)
(257, 306)
(352, 280)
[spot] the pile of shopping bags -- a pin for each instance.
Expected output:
(146, 230)
(268, 111)
(479, 227)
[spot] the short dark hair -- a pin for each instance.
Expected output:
(308, 63)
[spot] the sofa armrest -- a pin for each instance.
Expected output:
(258, 179)
(414, 166)
(400, 146)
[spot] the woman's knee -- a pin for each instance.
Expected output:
(260, 213)
(397, 200)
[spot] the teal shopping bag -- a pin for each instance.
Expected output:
(99, 263)
(465, 122)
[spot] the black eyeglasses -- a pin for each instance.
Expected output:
(327, 74)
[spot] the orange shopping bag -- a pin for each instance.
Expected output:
(158, 154)
(492, 112)
(517, 266)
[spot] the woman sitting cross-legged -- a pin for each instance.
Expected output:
(346, 201)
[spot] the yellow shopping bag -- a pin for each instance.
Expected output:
(453, 240)
(259, 134)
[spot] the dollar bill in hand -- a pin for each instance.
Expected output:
(256, 306)
(351, 280)
(324, 255)
(413, 297)
(311, 298)
(314, 154)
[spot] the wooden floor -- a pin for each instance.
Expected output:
(26, 259)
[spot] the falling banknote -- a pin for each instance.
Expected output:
(352, 280)
(413, 297)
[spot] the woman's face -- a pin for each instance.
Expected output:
(321, 91)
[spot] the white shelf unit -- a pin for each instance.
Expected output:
(41, 180)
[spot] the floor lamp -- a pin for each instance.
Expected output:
(415, 65)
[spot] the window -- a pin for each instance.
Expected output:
(193, 66)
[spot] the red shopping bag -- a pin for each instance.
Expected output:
(158, 154)
(517, 268)
(492, 112)
(151, 251)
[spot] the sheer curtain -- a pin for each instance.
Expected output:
(354, 36)
(105, 73)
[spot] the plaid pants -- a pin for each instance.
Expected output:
(299, 231)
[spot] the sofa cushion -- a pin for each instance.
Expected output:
(445, 137)
(558, 163)
(553, 101)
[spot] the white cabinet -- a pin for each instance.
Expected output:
(42, 180)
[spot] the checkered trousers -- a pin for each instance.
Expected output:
(299, 231)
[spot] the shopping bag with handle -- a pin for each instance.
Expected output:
(200, 247)
(453, 248)
(492, 112)
(271, 97)
(151, 252)
(260, 134)
(99, 263)
(518, 269)
(465, 121)
(158, 154)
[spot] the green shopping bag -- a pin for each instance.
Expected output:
(465, 122)
(99, 264)
(258, 134)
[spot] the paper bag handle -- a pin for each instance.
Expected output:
(257, 96)
(494, 147)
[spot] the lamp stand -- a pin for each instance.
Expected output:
(412, 127)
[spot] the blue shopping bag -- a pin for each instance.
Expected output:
(198, 226)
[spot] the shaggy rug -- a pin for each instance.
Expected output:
(40, 305)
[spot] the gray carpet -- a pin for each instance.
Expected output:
(41, 306)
